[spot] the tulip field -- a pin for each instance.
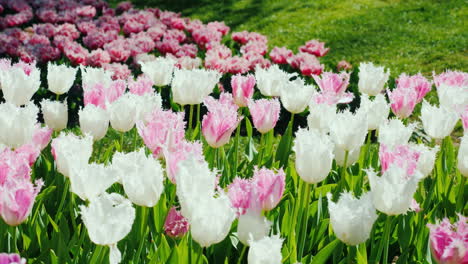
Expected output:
(138, 135)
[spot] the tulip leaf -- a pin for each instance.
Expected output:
(326, 252)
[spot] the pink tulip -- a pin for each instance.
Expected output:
(451, 78)
(29, 152)
(13, 165)
(221, 120)
(417, 83)
(402, 101)
(415, 207)
(175, 225)
(280, 55)
(333, 88)
(265, 113)
(402, 155)
(315, 47)
(42, 137)
(181, 153)
(11, 259)
(141, 86)
(449, 242)
(162, 130)
(268, 187)
(17, 199)
(242, 88)
(239, 192)
(343, 66)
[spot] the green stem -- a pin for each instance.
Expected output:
(121, 141)
(262, 149)
(199, 255)
(461, 191)
(135, 132)
(236, 145)
(143, 220)
(385, 240)
(190, 121)
(14, 235)
(343, 170)
(239, 261)
(57, 97)
(303, 233)
(198, 121)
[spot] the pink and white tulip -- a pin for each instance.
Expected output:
(176, 225)
(242, 88)
(449, 242)
(265, 113)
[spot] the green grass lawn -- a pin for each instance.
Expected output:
(406, 36)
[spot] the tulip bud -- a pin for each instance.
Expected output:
(372, 79)
(438, 122)
(242, 88)
(394, 132)
(159, 70)
(393, 192)
(448, 241)
(55, 114)
(321, 116)
(314, 155)
(268, 187)
(18, 87)
(102, 178)
(348, 130)
(176, 225)
(142, 177)
(351, 218)
(60, 78)
(11, 259)
(17, 200)
(463, 156)
(94, 120)
(123, 112)
(108, 218)
(265, 113)
(295, 95)
(70, 150)
(190, 87)
(17, 124)
(402, 101)
(252, 226)
(265, 250)
(376, 111)
(270, 81)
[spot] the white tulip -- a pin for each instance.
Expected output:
(393, 192)
(266, 251)
(159, 70)
(394, 132)
(353, 156)
(71, 151)
(426, 159)
(90, 180)
(190, 87)
(271, 81)
(212, 219)
(463, 156)
(142, 177)
(351, 218)
(252, 226)
(108, 218)
(146, 104)
(321, 116)
(55, 114)
(295, 95)
(372, 78)
(123, 112)
(376, 110)
(91, 76)
(452, 97)
(314, 155)
(438, 122)
(94, 120)
(60, 78)
(349, 130)
(19, 87)
(17, 124)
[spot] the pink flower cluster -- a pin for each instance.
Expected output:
(449, 242)
(401, 155)
(410, 91)
(100, 95)
(221, 120)
(262, 192)
(17, 192)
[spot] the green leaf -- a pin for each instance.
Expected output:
(325, 253)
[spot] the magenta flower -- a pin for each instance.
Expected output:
(162, 130)
(315, 47)
(265, 113)
(268, 187)
(11, 259)
(449, 242)
(280, 55)
(240, 194)
(401, 155)
(97, 58)
(451, 78)
(142, 85)
(417, 83)
(176, 225)
(333, 88)
(343, 66)
(242, 88)
(402, 101)
(220, 121)
(17, 199)
(307, 63)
